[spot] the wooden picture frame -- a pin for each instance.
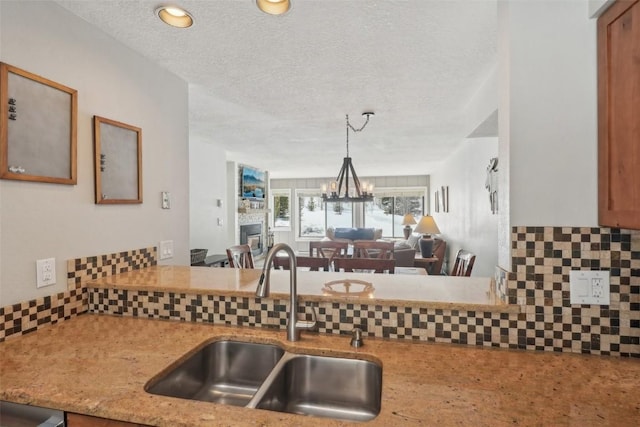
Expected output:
(118, 162)
(38, 128)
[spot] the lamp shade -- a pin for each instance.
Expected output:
(427, 225)
(408, 219)
(273, 7)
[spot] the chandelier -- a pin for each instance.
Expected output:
(340, 190)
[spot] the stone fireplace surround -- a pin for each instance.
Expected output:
(251, 234)
(249, 219)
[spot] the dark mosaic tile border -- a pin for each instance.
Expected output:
(21, 318)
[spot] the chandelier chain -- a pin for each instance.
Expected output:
(349, 126)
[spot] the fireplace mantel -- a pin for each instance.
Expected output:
(253, 211)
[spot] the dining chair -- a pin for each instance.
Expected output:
(328, 249)
(375, 265)
(439, 251)
(312, 263)
(463, 264)
(240, 256)
(372, 249)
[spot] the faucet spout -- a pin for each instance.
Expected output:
(262, 291)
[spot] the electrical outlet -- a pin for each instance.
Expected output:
(45, 272)
(589, 287)
(166, 249)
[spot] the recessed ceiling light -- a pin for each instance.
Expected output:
(175, 16)
(273, 7)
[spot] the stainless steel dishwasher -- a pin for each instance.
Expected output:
(17, 415)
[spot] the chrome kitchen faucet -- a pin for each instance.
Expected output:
(294, 326)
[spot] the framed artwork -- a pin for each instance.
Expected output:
(38, 122)
(437, 201)
(118, 162)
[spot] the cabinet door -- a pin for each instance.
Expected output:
(78, 420)
(619, 115)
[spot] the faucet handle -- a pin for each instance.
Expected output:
(308, 324)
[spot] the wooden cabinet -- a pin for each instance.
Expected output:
(619, 115)
(78, 420)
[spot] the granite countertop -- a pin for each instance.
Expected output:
(98, 365)
(460, 293)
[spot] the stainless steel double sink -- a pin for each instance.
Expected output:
(265, 376)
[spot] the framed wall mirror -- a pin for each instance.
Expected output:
(118, 162)
(38, 123)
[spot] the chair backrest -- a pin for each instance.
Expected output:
(464, 263)
(372, 249)
(439, 251)
(312, 263)
(328, 249)
(240, 256)
(371, 264)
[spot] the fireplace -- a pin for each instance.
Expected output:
(251, 235)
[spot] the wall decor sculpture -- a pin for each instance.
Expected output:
(491, 184)
(118, 162)
(38, 128)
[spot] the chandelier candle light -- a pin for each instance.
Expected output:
(426, 227)
(338, 190)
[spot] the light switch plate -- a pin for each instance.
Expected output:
(45, 272)
(589, 287)
(166, 249)
(166, 200)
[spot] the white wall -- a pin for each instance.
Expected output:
(207, 177)
(469, 224)
(61, 221)
(552, 113)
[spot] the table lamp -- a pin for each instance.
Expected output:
(407, 221)
(426, 227)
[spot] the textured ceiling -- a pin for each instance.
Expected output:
(274, 90)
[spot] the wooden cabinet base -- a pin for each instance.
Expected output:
(78, 420)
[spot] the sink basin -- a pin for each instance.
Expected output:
(264, 376)
(332, 387)
(228, 372)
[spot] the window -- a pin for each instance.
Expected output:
(339, 214)
(281, 202)
(387, 210)
(311, 219)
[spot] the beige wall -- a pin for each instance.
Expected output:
(61, 221)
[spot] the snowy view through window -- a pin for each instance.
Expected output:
(385, 213)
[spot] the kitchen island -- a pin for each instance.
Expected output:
(98, 365)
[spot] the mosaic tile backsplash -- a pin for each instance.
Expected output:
(542, 258)
(539, 281)
(21, 318)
